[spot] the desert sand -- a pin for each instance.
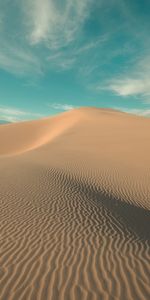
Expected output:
(75, 207)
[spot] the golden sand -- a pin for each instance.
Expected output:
(74, 207)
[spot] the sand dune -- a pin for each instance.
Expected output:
(75, 201)
(21, 137)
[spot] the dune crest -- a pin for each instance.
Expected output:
(18, 138)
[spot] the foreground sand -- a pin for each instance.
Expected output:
(74, 207)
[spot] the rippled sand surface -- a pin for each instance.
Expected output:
(75, 207)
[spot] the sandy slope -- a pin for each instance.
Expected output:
(75, 200)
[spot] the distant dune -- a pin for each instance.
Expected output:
(75, 201)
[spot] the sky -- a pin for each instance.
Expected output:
(56, 55)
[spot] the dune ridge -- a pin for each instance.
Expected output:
(33, 134)
(75, 207)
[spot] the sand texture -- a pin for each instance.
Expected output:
(75, 207)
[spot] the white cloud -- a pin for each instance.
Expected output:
(141, 111)
(19, 61)
(133, 82)
(69, 59)
(15, 54)
(40, 15)
(37, 30)
(92, 44)
(15, 115)
(61, 61)
(59, 106)
(54, 22)
(131, 86)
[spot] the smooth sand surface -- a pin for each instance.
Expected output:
(74, 207)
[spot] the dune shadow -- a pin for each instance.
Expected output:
(135, 219)
(132, 219)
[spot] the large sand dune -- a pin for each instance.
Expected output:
(75, 201)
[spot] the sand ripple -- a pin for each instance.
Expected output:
(63, 239)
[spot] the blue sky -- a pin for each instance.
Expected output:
(61, 54)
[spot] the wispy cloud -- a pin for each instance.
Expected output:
(40, 15)
(15, 54)
(73, 57)
(61, 107)
(12, 115)
(135, 81)
(53, 22)
(131, 86)
(129, 72)
(33, 31)
(141, 112)
(61, 61)
(16, 60)
(131, 82)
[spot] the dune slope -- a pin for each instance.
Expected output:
(75, 201)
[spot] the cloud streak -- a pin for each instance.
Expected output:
(53, 22)
(131, 86)
(61, 107)
(15, 59)
(140, 112)
(13, 115)
(43, 29)
(133, 82)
